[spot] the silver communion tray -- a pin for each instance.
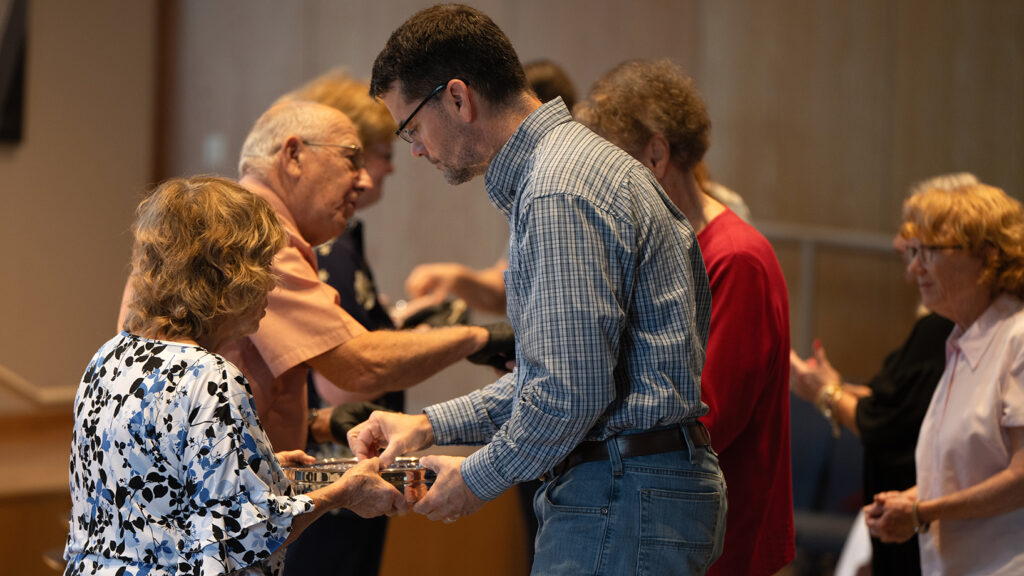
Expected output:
(404, 473)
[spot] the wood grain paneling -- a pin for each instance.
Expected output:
(492, 542)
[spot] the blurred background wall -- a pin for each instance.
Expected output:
(823, 112)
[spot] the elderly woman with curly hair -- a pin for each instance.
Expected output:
(965, 247)
(171, 472)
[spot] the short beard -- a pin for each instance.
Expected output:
(467, 164)
(456, 176)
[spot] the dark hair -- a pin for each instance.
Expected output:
(444, 42)
(549, 81)
(638, 99)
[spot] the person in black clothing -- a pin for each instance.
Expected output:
(886, 414)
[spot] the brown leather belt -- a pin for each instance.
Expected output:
(631, 445)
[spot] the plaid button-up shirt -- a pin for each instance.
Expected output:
(609, 299)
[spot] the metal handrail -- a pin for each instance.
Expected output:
(810, 238)
(38, 396)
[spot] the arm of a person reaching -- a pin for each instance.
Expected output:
(384, 360)
(816, 381)
(569, 315)
(482, 290)
(333, 395)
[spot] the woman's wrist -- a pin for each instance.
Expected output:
(827, 402)
(921, 525)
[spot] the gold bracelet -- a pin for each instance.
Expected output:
(826, 402)
(919, 528)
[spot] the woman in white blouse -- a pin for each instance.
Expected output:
(965, 248)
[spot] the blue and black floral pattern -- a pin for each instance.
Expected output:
(171, 472)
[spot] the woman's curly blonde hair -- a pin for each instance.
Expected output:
(338, 89)
(202, 255)
(983, 219)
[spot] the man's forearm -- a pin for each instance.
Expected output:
(384, 360)
(482, 289)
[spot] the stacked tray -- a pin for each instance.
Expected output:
(404, 473)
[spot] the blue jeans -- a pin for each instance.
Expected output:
(660, 515)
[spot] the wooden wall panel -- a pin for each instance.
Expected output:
(493, 541)
(68, 189)
(864, 309)
(959, 97)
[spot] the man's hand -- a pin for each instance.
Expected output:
(363, 491)
(449, 498)
(390, 435)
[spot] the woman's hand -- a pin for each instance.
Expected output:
(362, 490)
(294, 458)
(890, 517)
(808, 377)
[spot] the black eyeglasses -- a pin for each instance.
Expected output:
(357, 157)
(925, 252)
(406, 134)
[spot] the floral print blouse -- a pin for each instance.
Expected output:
(171, 472)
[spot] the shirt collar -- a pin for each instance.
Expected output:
(975, 341)
(284, 216)
(513, 161)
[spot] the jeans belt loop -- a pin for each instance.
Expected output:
(695, 455)
(614, 455)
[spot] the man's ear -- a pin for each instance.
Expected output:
(289, 157)
(463, 103)
(657, 155)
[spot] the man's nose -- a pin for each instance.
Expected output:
(418, 150)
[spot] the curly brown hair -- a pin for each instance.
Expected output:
(983, 219)
(202, 256)
(638, 99)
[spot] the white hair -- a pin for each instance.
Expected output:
(949, 181)
(306, 120)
